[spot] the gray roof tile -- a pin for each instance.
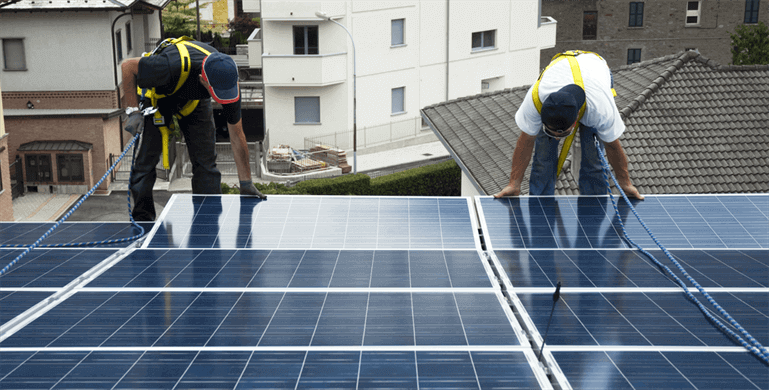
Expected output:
(692, 127)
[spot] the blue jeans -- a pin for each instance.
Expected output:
(200, 135)
(544, 166)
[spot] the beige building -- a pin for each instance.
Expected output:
(6, 198)
(624, 32)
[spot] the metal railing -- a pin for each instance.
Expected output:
(370, 136)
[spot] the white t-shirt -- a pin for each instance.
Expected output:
(601, 112)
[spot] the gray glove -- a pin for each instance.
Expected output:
(247, 188)
(135, 121)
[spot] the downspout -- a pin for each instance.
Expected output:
(447, 49)
(114, 67)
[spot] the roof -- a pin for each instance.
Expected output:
(102, 112)
(59, 146)
(692, 127)
(45, 5)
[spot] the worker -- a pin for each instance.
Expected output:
(573, 94)
(178, 78)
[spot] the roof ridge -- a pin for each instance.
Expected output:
(487, 94)
(680, 58)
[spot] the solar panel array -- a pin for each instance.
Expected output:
(389, 292)
(621, 321)
(299, 292)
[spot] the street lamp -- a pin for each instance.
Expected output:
(323, 16)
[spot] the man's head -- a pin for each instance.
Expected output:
(220, 76)
(561, 109)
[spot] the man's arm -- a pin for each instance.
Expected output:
(129, 69)
(618, 160)
(521, 158)
(240, 150)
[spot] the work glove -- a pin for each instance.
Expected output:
(247, 188)
(134, 122)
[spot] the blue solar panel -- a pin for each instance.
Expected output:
(630, 268)
(643, 319)
(317, 222)
(268, 369)
(130, 319)
(700, 221)
(13, 303)
(296, 268)
(26, 233)
(662, 370)
(49, 267)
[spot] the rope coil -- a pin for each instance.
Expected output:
(753, 345)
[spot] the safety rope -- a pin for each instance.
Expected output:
(64, 218)
(754, 346)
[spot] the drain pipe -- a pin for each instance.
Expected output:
(114, 67)
(448, 32)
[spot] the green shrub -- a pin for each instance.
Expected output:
(357, 184)
(442, 179)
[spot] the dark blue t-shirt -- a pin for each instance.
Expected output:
(163, 70)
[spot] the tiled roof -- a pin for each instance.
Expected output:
(59, 146)
(692, 127)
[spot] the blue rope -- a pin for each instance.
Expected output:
(91, 191)
(754, 346)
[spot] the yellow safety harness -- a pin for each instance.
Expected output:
(181, 44)
(571, 56)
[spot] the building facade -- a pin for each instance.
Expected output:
(406, 55)
(6, 198)
(60, 85)
(624, 32)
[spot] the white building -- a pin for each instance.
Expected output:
(408, 55)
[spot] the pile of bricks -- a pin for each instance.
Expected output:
(306, 164)
(330, 156)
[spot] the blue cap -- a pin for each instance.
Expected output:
(220, 71)
(561, 108)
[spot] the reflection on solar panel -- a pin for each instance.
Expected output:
(26, 233)
(621, 321)
(393, 292)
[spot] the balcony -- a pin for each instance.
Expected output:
(278, 10)
(251, 6)
(255, 49)
(546, 32)
(304, 70)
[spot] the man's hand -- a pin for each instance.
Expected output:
(134, 121)
(632, 192)
(508, 191)
(247, 188)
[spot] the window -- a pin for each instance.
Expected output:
(70, 167)
(484, 40)
(589, 25)
(128, 43)
(396, 38)
(13, 54)
(398, 98)
(307, 109)
(633, 56)
(692, 13)
(38, 167)
(636, 14)
(305, 40)
(751, 11)
(119, 46)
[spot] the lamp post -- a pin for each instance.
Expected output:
(323, 16)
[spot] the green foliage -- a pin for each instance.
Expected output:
(442, 179)
(750, 45)
(179, 19)
(244, 25)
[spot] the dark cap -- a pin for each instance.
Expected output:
(561, 108)
(220, 71)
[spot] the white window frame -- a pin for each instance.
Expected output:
(696, 13)
(402, 32)
(296, 111)
(403, 101)
(23, 55)
(483, 45)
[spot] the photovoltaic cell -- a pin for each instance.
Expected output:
(181, 319)
(297, 268)
(48, 267)
(267, 369)
(13, 303)
(686, 221)
(317, 222)
(630, 268)
(26, 233)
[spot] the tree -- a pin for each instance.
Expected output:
(750, 45)
(180, 19)
(244, 25)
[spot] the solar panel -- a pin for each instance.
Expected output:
(26, 233)
(49, 267)
(621, 321)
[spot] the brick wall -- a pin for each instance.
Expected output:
(6, 197)
(60, 100)
(663, 32)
